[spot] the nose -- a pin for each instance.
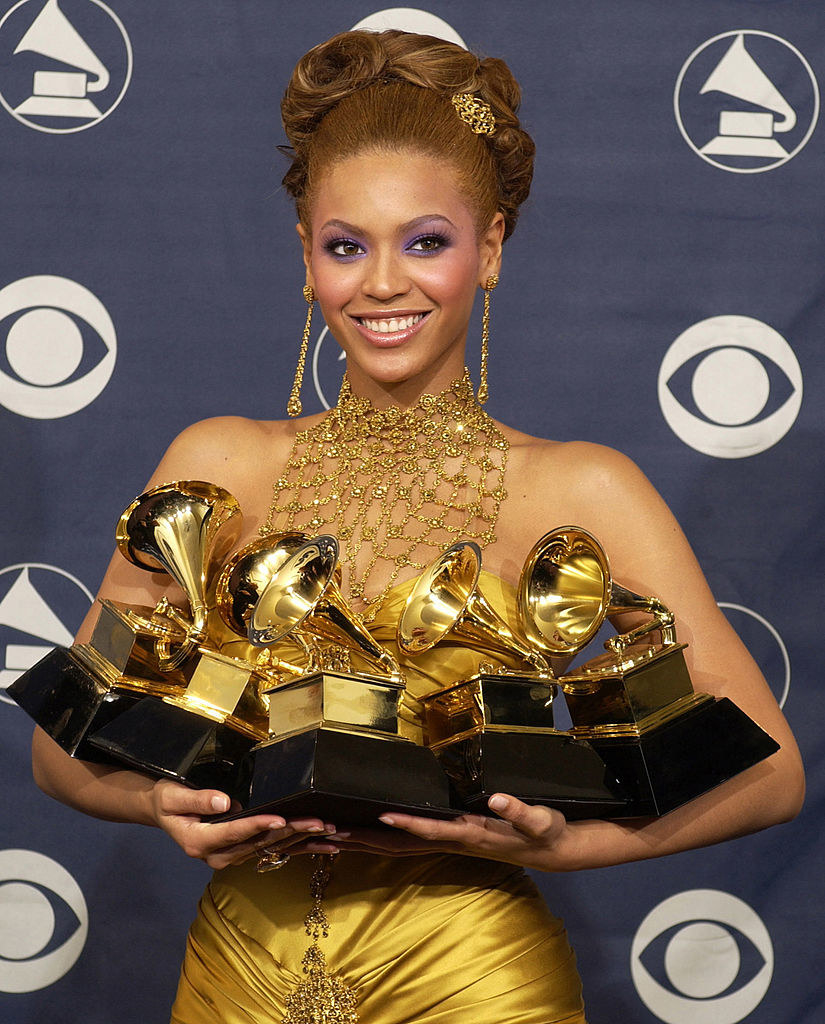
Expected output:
(385, 278)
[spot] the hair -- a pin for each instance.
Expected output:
(391, 90)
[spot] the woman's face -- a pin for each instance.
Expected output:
(395, 259)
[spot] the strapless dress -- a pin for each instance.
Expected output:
(428, 939)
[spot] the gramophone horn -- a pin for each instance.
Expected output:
(245, 576)
(304, 596)
(446, 599)
(565, 592)
(184, 529)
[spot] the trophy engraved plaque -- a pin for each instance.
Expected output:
(334, 749)
(495, 731)
(634, 704)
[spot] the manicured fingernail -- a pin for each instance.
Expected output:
(387, 819)
(497, 803)
(316, 828)
(277, 823)
(220, 803)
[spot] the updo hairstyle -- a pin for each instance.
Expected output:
(391, 90)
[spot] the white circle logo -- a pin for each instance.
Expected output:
(31, 885)
(746, 387)
(765, 644)
(47, 344)
(93, 54)
(704, 937)
(746, 101)
(411, 19)
(36, 601)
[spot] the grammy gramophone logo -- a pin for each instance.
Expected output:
(40, 607)
(746, 101)
(65, 65)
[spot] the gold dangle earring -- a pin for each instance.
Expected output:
(293, 406)
(483, 390)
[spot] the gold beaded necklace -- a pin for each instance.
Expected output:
(395, 486)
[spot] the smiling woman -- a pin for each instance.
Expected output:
(408, 169)
(396, 286)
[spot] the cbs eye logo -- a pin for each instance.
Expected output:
(43, 921)
(730, 387)
(55, 331)
(692, 955)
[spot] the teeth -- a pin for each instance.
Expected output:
(400, 323)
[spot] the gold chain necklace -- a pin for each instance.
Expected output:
(395, 486)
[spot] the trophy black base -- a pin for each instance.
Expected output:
(168, 741)
(343, 777)
(69, 702)
(684, 758)
(553, 769)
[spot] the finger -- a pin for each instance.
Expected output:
(433, 830)
(174, 798)
(533, 821)
(220, 836)
(282, 837)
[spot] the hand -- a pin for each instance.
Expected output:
(179, 811)
(521, 834)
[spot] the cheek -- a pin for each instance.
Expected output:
(333, 284)
(452, 278)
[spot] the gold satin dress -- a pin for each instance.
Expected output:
(427, 939)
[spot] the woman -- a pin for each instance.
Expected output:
(408, 169)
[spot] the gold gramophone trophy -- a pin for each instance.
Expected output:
(634, 704)
(193, 732)
(74, 692)
(495, 731)
(334, 749)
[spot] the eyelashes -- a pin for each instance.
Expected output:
(343, 248)
(431, 242)
(426, 244)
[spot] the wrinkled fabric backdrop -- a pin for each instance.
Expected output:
(662, 294)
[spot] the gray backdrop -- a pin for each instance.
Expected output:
(663, 294)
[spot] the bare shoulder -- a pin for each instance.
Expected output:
(580, 476)
(237, 453)
(215, 442)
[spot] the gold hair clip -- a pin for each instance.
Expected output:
(475, 113)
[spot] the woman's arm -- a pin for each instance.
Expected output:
(607, 495)
(204, 451)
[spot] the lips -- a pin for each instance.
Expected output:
(388, 331)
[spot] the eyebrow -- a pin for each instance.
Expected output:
(411, 225)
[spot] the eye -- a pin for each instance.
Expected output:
(703, 956)
(427, 243)
(59, 350)
(730, 386)
(44, 921)
(343, 247)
